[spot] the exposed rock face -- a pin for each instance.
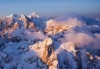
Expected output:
(15, 26)
(0, 21)
(1, 24)
(34, 15)
(25, 21)
(47, 55)
(31, 25)
(21, 20)
(53, 27)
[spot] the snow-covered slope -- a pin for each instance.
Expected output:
(35, 42)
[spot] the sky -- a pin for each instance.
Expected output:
(50, 7)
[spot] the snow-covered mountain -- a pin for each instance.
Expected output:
(34, 15)
(35, 42)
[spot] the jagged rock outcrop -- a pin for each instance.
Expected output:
(34, 15)
(0, 21)
(25, 20)
(46, 53)
(15, 26)
(53, 27)
(31, 25)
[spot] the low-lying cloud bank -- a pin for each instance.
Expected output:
(78, 34)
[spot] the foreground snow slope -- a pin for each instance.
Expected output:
(35, 42)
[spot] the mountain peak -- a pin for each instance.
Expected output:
(22, 16)
(34, 15)
(13, 16)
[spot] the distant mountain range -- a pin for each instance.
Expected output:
(36, 42)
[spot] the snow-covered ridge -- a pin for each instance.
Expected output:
(35, 42)
(34, 15)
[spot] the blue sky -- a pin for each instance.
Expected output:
(50, 7)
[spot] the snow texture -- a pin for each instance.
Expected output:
(35, 42)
